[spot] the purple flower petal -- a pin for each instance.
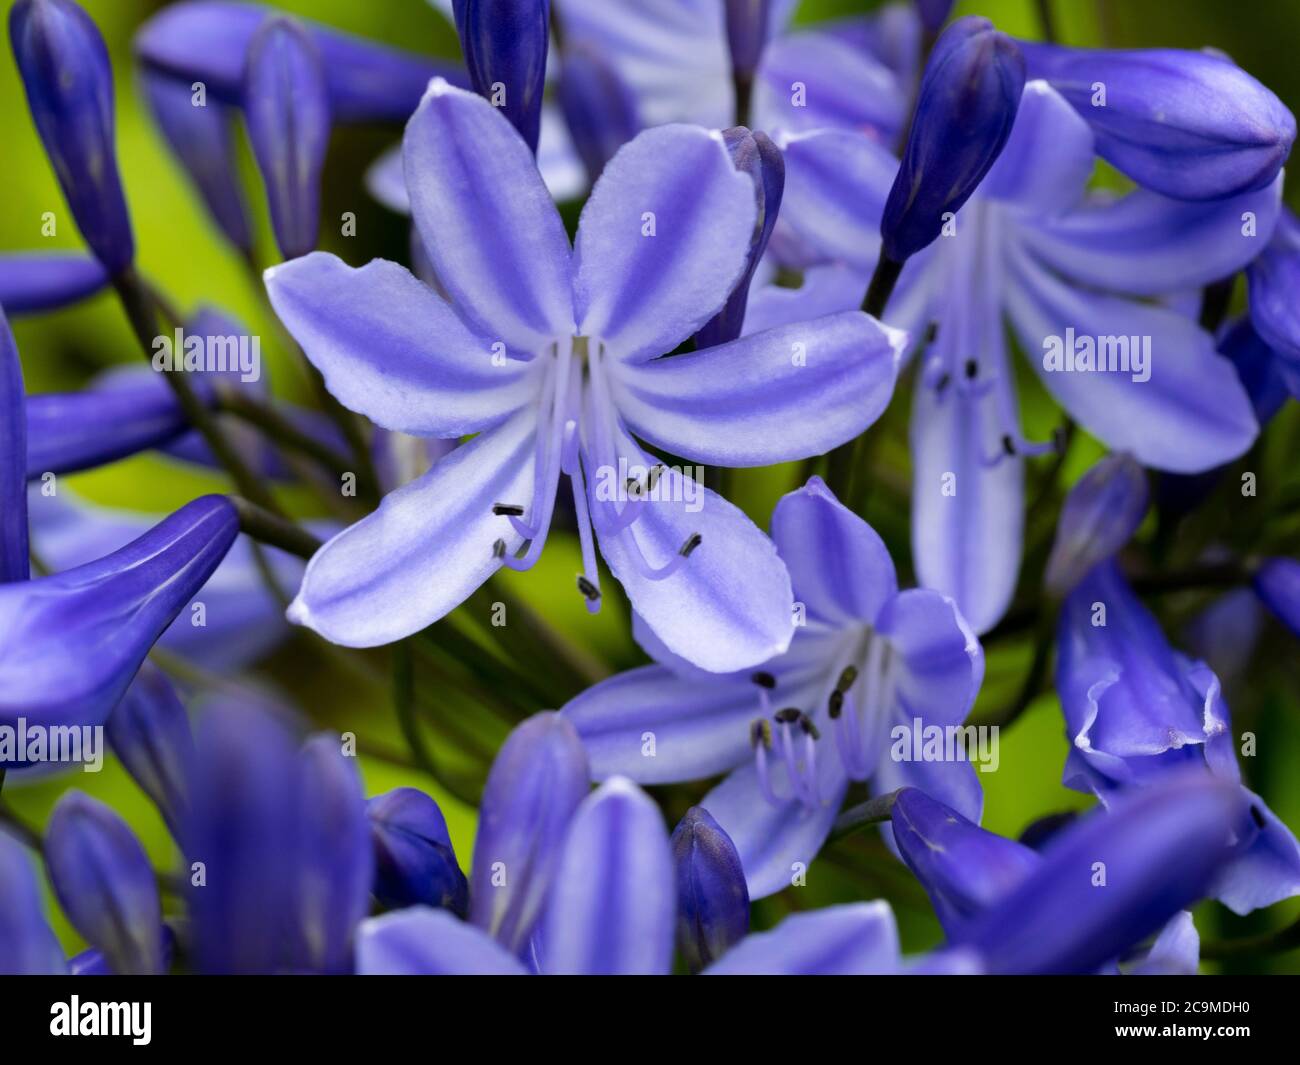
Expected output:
(150, 734)
(662, 241)
(426, 548)
(1099, 516)
(538, 780)
(15, 564)
(1190, 413)
(505, 45)
(1274, 278)
(854, 939)
(28, 946)
(492, 233)
(938, 662)
(394, 350)
(611, 906)
(414, 861)
(1267, 870)
(1277, 583)
(712, 900)
(424, 942)
(784, 394)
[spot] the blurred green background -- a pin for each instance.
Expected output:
(182, 253)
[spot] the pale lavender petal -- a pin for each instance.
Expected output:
(424, 942)
(854, 939)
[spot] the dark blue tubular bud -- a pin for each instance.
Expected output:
(69, 82)
(970, 93)
(286, 106)
(15, 562)
(505, 44)
(712, 899)
(753, 154)
(415, 863)
(748, 22)
(1100, 515)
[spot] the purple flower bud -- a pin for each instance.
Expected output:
(967, 103)
(753, 154)
(505, 44)
(1190, 125)
(1100, 515)
(202, 136)
(39, 281)
(335, 864)
(599, 107)
(748, 24)
(1274, 281)
(1277, 583)
(206, 42)
(537, 781)
(92, 962)
(286, 105)
(28, 946)
(1113, 879)
(14, 553)
(712, 898)
(104, 883)
(65, 70)
(963, 868)
(74, 641)
(414, 861)
(150, 734)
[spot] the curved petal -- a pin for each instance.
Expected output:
(839, 566)
(784, 394)
(776, 843)
(843, 86)
(1181, 406)
(426, 548)
(1046, 163)
(1268, 870)
(492, 232)
(836, 185)
(729, 605)
(662, 241)
(855, 939)
(1146, 244)
(612, 904)
(1274, 277)
(938, 663)
(423, 942)
(826, 289)
(390, 348)
(28, 946)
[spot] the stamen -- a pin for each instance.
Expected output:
(504, 509)
(588, 589)
(760, 736)
(692, 542)
(764, 680)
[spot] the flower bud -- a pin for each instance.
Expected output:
(202, 137)
(753, 154)
(15, 562)
(105, 884)
(712, 898)
(286, 106)
(39, 281)
(65, 70)
(74, 640)
(599, 108)
(1274, 281)
(1190, 125)
(505, 44)
(537, 781)
(967, 103)
(28, 946)
(414, 861)
(150, 734)
(748, 25)
(1277, 583)
(1099, 517)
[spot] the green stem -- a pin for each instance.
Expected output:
(270, 528)
(280, 429)
(875, 811)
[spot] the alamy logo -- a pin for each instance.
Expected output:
(919, 742)
(134, 1019)
(654, 484)
(24, 744)
(180, 353)
(1098, 354)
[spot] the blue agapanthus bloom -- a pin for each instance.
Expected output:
(552, 357)
(868, 659)
(1073, 274)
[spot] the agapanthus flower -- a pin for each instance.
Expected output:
(1070, 273)
(69, 82)
(793, 734)
(712, 896)
(1137, 710)
(1096, 891)
(552, 357)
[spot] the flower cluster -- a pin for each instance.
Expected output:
(673, 273)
